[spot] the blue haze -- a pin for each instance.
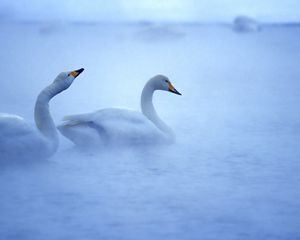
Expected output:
(234, 170)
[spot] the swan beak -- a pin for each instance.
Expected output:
(76, 72)
(173, 90)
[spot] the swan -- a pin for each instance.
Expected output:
(18, 140)
(118, 126)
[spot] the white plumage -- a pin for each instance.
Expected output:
(117, 126)
(18, 140)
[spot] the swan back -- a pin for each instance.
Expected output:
(17, 138)
(11, 125)
(113, 126)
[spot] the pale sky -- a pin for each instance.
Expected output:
(150, 10)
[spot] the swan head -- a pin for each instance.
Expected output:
(161, 82)
(65, 79)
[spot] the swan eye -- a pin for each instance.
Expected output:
(167, 81)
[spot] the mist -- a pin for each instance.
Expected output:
(233, 172)
(148, 10)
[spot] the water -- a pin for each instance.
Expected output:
(233, 173)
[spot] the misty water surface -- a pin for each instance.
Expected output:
(234, 170)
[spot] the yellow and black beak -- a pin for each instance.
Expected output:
(76, 72)
(173, 90)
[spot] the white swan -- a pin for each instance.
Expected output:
(18, 140)
(117, 126)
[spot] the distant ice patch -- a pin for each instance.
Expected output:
(159, 32)
(52, 27)
(245, 24)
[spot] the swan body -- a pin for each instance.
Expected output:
(110, 125)
(12, 124)
(18, 140)
(117, 126)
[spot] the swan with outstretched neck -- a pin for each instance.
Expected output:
(19, 140)
(117, 126)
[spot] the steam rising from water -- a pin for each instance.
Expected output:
(232, 172)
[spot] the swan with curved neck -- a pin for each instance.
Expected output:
(19, 140)
(158, 82)
(122, 126)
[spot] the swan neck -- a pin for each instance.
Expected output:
(43, 119)
(149, 111)
(146, 100)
